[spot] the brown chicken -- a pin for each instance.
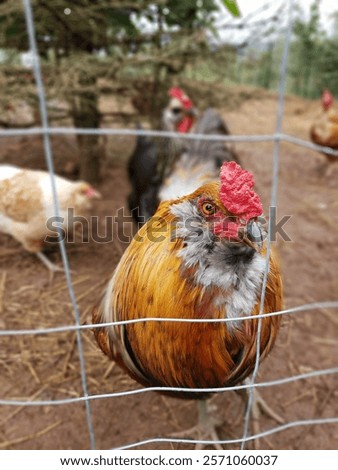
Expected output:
(324, 131)
(201, 256)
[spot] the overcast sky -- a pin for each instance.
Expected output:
(327, 6)
(257, 10)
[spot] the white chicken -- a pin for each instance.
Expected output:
(26, 205)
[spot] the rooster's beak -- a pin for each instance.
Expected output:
(254, 235)
(91, 193)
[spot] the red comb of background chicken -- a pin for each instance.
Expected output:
(179, 94)
(236, 192)
(327, 99)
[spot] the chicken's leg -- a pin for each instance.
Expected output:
(51, 266)
(260, 406)
(205, 429)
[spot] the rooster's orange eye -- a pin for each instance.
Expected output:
(208, 208)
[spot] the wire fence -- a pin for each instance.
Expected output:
(46, 131)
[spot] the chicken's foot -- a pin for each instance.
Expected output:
(204, 430)
(259, 407)
(53, 268)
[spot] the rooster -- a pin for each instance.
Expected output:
(147, 163)
(201, 256)
(324, 131)
(26, 204)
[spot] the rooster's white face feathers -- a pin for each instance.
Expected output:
(233, 267)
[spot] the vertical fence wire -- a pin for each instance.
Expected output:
(273, 203)
(50, 165)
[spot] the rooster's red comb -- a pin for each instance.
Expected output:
(178, 93)
(236, 192)
(327, 99)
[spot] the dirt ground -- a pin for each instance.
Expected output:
(46, 367)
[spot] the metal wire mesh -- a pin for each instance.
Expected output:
(46, 131)
(50, 166)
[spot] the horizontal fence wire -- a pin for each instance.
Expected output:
(140, 391)
(45, 130)
(268, 432)
(159, 133)
(67, 328)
